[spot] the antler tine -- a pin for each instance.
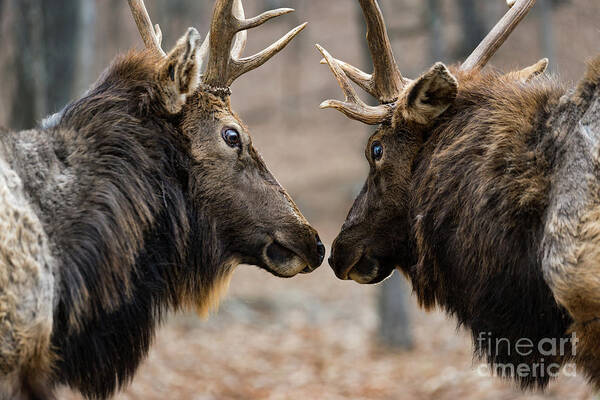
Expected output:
(225, 64)
(353, 106)
(204, 53)
(386, 82)
(362, 79)
(492, 42)
(387, 79)
(241, 38)
(151, 35)
(247, 64)
(222, 30)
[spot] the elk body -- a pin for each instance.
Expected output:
(484, 191)
(139, 198)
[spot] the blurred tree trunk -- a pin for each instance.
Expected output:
(290, 88)
(61, 26)
(394, 316)
(175, 16)
(170, 17)
(86, 53)
(436, 30)
(115, 25)
(28, 101)
(53, 52)
(546, 31)
(473, 28)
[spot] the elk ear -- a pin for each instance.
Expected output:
(527, 74)
(179, 72)
(430, 95)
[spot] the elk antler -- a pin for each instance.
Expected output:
(492, 42)
(151, 35)
(224, 62)
(353, 107)
(386, 83)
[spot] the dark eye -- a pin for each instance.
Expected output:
(231, 137)
(376, 151)
(172, 73)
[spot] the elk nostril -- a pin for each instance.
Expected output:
(320, 250)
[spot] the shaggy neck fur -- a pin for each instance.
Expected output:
(110, 184)
(480, 191)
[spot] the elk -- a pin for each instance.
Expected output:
(139, 198)
(483, 190)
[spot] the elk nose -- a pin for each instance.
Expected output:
(320, 250)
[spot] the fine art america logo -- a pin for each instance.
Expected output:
(546, 352)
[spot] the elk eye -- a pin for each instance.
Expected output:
(231, 137)
(376, 151)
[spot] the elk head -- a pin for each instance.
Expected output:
(376, 237)
(251, 217)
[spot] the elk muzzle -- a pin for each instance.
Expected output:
(352, 259)
(293, 251)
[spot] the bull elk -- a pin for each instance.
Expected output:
(139, 198)
(484, 190)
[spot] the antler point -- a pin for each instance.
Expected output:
(301, 26)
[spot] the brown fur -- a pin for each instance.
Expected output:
(126, 205)
(490, 207)
(572, 232)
